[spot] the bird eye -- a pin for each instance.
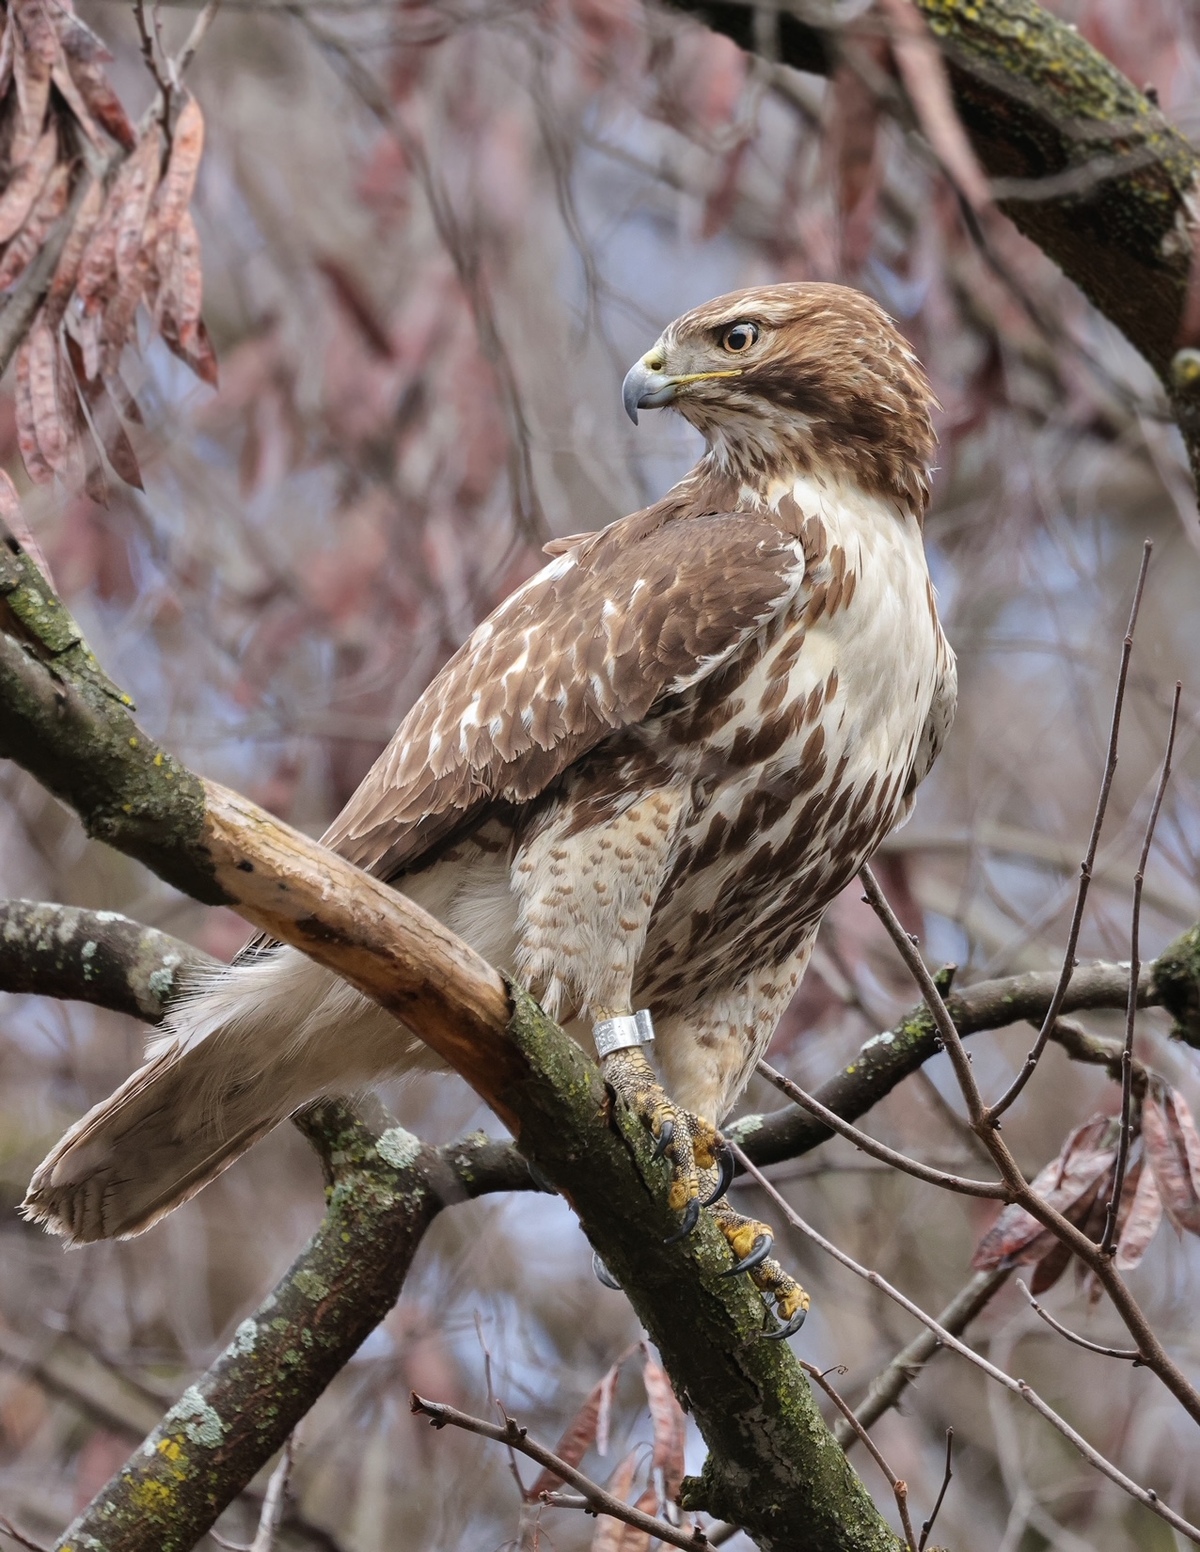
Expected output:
(740, 336)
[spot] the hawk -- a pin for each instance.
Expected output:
(636, 787)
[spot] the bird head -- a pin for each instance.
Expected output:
(796, 378)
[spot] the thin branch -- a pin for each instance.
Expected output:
(934, 1001)
(8, 1529)
(1085, 870)
(1108, 1242)
(890, 1384)
(1153, 1354)
(1144, 1495)
(196, 37)
(599, 1501)
(1130, 1354)
(878, 1150)
(947, 1475)
(897, 1484)
(273, 1506)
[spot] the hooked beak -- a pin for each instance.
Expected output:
(648, 387)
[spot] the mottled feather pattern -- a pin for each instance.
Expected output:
(640, 782)
(588, 645)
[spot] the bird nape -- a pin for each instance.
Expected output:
(636, 787)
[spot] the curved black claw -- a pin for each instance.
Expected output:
(665, 1138)
(603, 1275)
(759, 1252)
(543, 1182)
(691, 1217)
(725, 1168)
(783, 1332)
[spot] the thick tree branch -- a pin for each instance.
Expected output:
(1103, 179)
(772, 1466)
(384, 1191)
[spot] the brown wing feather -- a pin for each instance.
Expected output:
(585, 647)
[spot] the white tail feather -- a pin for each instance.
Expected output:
(250, 1044)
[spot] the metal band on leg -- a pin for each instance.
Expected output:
(618, 1034)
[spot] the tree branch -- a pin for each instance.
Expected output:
(594, 1497)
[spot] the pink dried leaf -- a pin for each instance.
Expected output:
(670, 1425)
(609, 1532)
(1067, 1182)
(179, 181)
(35, 49)
(1173, 1151)
(177, 314)
(65, 84)
(66, 273)
(27, 244)
(6, 57)
(78, 39)
(53, 436)
(123, 398)
(26, 183)
(580, 1433)
(633, 1539)
(118, 449)
(17, 524)
(1142, 1219)
(81, 452)
(100, 99)
(1050, 1268)
(38, 469)
(923, 71)
(136, 183)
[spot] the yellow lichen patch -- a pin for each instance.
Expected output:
(151, 1496)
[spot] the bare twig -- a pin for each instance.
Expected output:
(8, 1529)
(1108, 1242)
(1130, 1354)
(1150, 1348)
(1144, 1495)
(934, 1001)
(161, 79)
(946, 1477)
(1085, 870)
(898, 1485)
(879, 1150)
(890, 1383)
(196, 37)
(598, 1500)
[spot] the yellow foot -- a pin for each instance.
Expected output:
(752, 1243)
(692, 1145)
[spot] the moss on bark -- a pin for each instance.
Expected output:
(773, 1465)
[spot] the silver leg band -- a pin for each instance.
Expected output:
(618, 1034)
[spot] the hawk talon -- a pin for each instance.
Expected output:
(691, 1217)
(603, 1276)
(666, 1137)
(759, 1251)
(724, 1175)
(781, 1333)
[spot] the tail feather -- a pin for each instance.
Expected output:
(142, 1152)
(250, 1047)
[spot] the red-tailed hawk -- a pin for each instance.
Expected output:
(636, 786)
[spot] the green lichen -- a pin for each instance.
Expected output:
(200, 1421)
(310, 1285)
(1176, 981)
(398, 1147)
